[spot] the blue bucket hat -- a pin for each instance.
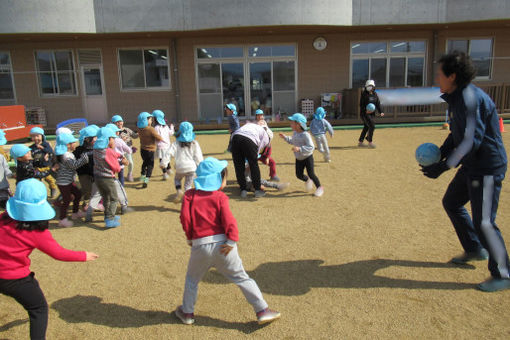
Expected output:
(320, 113)
(160, 116)
(19, 150)
(259, 112)
(62, 140)
(103, 138)
(142, 120)
(233, 108)
(86, 132)
(29, 202)
(3, 141)
(112, 127)
(209, 174)
(37, 131)
(117, 118)
(186, 133)
(299, 118)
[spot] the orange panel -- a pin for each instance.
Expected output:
(13, 122)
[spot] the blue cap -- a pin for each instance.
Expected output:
(116, 119)
(112, 127)
(3, 141)
(19, 150)
(209, 174)
(29, 202)
(142, 120)
(233, 108)
(86, 132)
(62, 140)
(103, 138)
(370, 108)
(320, 113)
(37, 131)
(299, 118)
(160, 116)
(259, 112)
(186, 133)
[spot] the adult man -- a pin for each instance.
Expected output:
(475, 143)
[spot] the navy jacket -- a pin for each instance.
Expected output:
(367, 98)
(39, 154)
(474, 140)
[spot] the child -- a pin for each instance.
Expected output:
(211, 231)
(106, 165)
(233, 122)
(42, 153)
(67, 165)
(303, 150)
(127, 135)
(121, 148)
(188, 155)
(318, 127)
(368, 96)
(23, 228)
(4, 141)
(24, 165)
(5, 171)
(265, 156)
(263, 183)
(148, 138)
(163, 147)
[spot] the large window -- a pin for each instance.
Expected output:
(480, 51)
(6, 81)
(144, 68)
(388, 63)
(56, 72)
(251, 77)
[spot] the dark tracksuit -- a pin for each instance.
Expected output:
(25, 170)
(475, 143)
(368, 119)
(233, 124)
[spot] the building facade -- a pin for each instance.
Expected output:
(95, 59)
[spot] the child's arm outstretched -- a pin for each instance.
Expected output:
(45, 242)
(288, 139)
(74, 164)
(328, 127)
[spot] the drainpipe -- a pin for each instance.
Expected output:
(176, 82)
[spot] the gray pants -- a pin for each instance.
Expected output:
(188, 180)
(208, 255)
(322, 145)
(108, 190)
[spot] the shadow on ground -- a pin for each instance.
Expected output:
(81, 309)
(12, 324)
(292, 278)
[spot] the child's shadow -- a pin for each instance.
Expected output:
(81, 309)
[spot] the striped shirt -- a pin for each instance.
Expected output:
(67, 167)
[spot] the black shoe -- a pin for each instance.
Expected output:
(479, 255)
(144, 185)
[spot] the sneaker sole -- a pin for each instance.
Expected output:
(183, 319)
(261, 322)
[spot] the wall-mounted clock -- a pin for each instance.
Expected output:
(320, 43)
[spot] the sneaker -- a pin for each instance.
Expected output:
(78, 215)
(124, 209)
(244, 193)
(130, 177)
(494, 284)
(65, 223)
(145, 182)
(327, 159)
(53, 193)
(361, 144)
(112, 222)
(267, 315)
(480, 255)
(319, 192)
(283, 186)
(275, 179)
(88, 215)
(371, 145)
(165, 176)
(309, 185)
(186, 318)
(142, 178)
(260, 193)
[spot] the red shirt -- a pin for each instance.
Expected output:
(207, 213)
(16, 245)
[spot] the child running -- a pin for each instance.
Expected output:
(23, 228)
(163, 147)
(24, 163)
(67, 165)
(318, 127)
(42, 153)
(127, 136)
(265, 155)
(5, 171)
(121, 148)
(188, 155)
(211, 231)
(303, 151)
(148, 138)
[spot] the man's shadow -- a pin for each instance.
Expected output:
(81, 309)
(292, 278)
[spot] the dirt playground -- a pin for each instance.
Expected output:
(369, 259)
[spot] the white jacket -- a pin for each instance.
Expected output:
(186, 158)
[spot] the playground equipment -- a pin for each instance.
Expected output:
(13, 122)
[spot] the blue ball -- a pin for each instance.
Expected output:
(370, 108)
(428, 154)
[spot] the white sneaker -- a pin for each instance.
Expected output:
(361, 144)
(283, 186)
(186, 318)
(371, 145)
(178, 195)
(130, 178)
(165, 176)
(319, 192)
(267, 315)
(78, 215)
(309, 185)
(65, 223)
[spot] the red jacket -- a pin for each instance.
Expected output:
(16, 245)
(207, 213)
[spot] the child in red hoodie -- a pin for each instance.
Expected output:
(23, 228)
(211, 231)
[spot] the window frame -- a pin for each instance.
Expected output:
(74, 71)
(146, 88)
(11, 73)
(493, 43)
(388, 55)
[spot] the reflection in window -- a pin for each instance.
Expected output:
(397, 72)
(6, 86)
(144, 68)
(480, 51)
(219, 52)
(56, 72)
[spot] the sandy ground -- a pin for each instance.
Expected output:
(367, 260)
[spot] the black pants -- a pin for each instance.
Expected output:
(244, 149)
(368, 126)
(28, 293)
(308, 164)
(148, 162)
